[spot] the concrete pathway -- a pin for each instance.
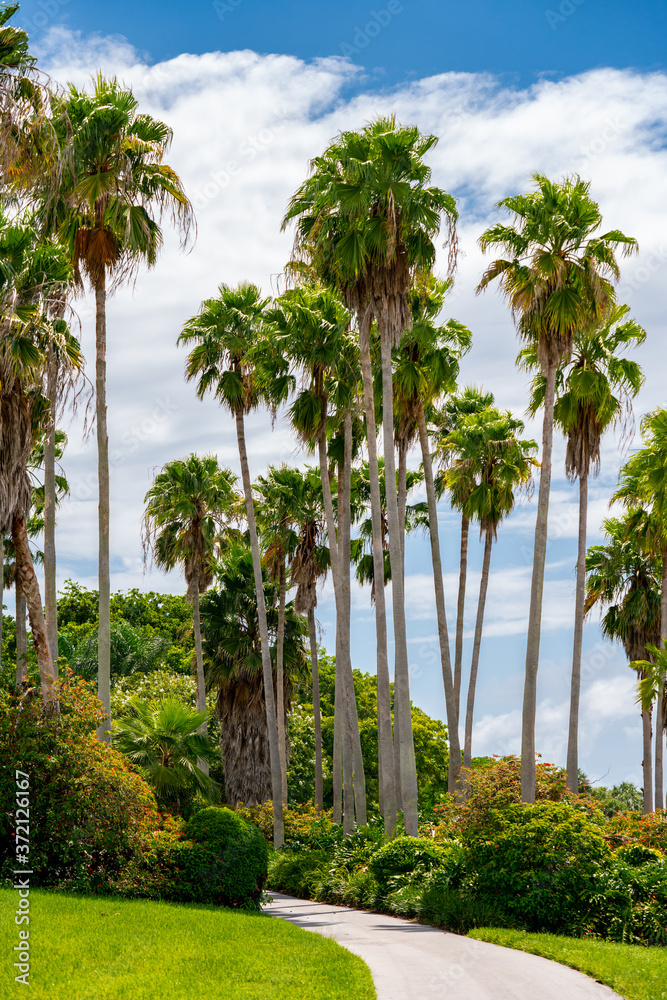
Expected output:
(415, 962)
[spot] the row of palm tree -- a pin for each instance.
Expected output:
(353, 346)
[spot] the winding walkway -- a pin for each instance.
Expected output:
(414, 962)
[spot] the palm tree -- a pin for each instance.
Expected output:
(223, 335)
(593, 392)
(366, 220)
(32, 275)
(556, 274)
(166, 742)
(442, 421)
(311, 328)
(643, 481)
(625, 582)
(188, 506)
(652, 686)
(234, 665)
(114, 190)
(492, 464)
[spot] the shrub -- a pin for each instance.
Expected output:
(304, 825)
(404, 856)
(538, 864)
(239, 850)
(459, 912)
(89, 811)
(650, 831)
(296, 872)
(631, 897)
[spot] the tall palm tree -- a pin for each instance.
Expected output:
(442, 421)
(222, 337)
(32, 274)
(311, 328)
(188, 506)
(643, 483)
(493, 463)
(114, 190)
(625, 582)
(234, 666)
(594, 391)
(557, 273)
(367, 218)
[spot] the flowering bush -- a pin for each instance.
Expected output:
(88, 809)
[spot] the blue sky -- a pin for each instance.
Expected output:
(395, 40)
(510, 88)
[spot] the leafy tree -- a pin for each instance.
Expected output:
(114, 188)
(556, 272)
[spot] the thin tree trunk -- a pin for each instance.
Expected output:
(27, 581)
(659, 732)
(443, 633)
(51, 609)
(401, 675)
(580, 597)
(317, 715)
(345, 560)
(21, 637)
(201, 683)
(402, 497)
(267, 672)
(385, 741)
(280, 681)
(337, 769)
(460, 612)
(647, 762)
(104, 626)
(474, 665)
(536, 594)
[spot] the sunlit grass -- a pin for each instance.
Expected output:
(86, 948)
(633, 971)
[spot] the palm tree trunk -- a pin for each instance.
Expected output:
(345, 561)
(536, 594)
(659, 732)
(402, 495)
(337, 769)
(267, 672)
(385, 741)
(474, 665)
(27, 581)
(317, 715)
(21, 637)
(443, 634)
(201, 683)
(51, 609)
(460, 612)
(647, 760)
(104, 626)
(580, 597)
(401, 675)
(280, 681)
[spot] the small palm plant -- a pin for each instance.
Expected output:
(163, 741)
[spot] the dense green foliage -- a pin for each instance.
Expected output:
(140, 950)
(239, 847)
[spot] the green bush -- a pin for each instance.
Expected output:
(240, 851)
(538, 864)
(89, 811)
(631, 898)
(296, 872)
(459, 912)
(405, 856)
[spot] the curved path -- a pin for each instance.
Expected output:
(414, 962)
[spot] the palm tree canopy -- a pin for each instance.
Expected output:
(643, 478)
(367, 217)
(594, 389)
(162, 741)
(114, 181)
(187, 507)
(625, 582)
(557, 270)
(492, 463)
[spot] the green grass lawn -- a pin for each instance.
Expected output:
(635, 972)
(84, 948)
